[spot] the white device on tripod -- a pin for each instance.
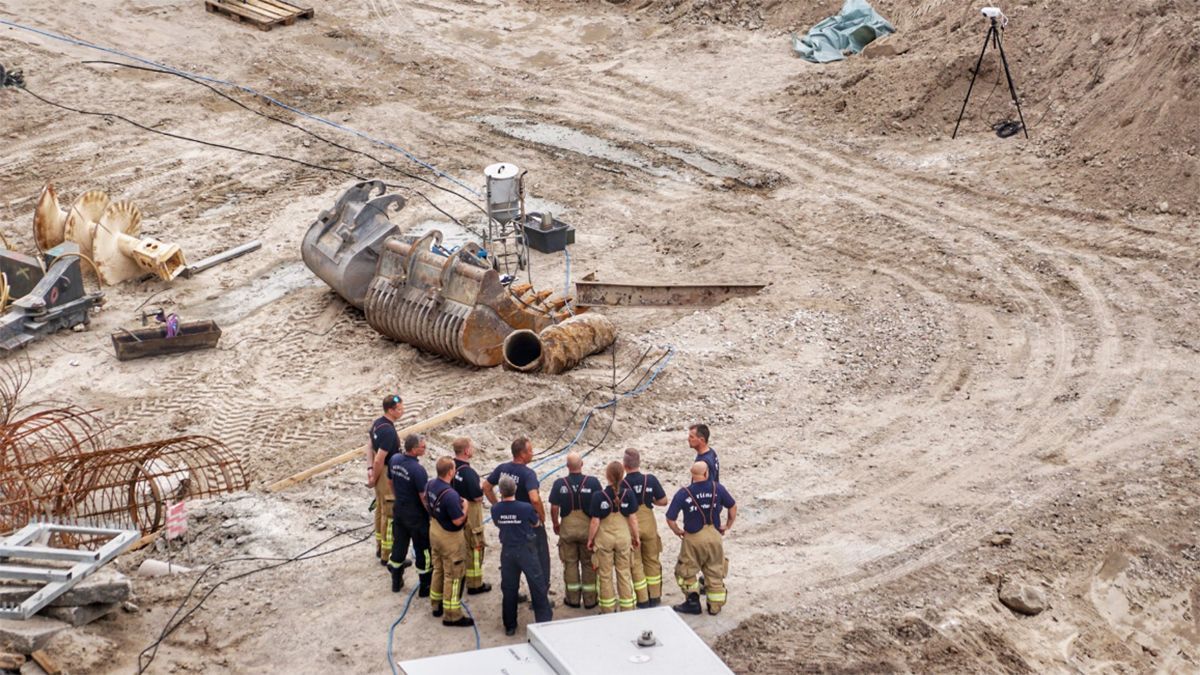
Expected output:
(994, 13)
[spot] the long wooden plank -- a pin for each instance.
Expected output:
(360, 451)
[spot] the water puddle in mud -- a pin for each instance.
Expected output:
(238, 303)
(573, 140)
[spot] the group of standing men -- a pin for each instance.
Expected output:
(607, 535)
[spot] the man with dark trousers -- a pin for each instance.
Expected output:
(410, 518)
(466, 483)
(570, 501)
(518, 522)
(448, 514)
(384, 444)
(526, 481)
(646, 567)
(698, 441)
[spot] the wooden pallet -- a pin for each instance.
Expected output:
(263, 14)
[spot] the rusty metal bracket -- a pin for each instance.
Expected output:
(592, 293)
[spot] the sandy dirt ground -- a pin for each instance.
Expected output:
(959, 339)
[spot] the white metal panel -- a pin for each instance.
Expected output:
(518, 659)
(607, 644)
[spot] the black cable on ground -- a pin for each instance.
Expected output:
(173, 623)
(168, 134)
(1006, 128)
(274, 118)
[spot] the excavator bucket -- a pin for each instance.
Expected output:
(343, 246)
(452, 305)
(412, 290)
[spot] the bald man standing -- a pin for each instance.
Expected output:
(702, 549)
(570, 501)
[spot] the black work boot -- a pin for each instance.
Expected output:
(397, 572)
(481, 589)
(644, 605)
(439, 611)
(655, 602)
(690, 606)
(462, 621)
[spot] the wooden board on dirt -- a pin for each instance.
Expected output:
(263, 14)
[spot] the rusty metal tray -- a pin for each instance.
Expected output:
(136, 344)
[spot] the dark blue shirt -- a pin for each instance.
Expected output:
(444, 504)
(408, 482)
(701, 504)
(574, 493)
(526, 478)
(602, 503)
(714, 466)
(516, 521)
(645, 487)
(466, 481)
(383, 437)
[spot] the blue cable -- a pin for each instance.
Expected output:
(641, 388)
(473, 624)
(248, 90)
(392, 630)
(567, 281)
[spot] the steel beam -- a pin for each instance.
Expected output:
(225, 256)
(591, 293)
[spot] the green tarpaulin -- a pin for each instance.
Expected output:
(855, 27)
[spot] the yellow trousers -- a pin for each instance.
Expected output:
(449, 553)
(579, 576)
(475, 544)
(383, 517)
(703, 551)
(646, 568)
(612, 558)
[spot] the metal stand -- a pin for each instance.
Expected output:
(993, 36)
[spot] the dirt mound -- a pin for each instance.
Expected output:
(1117, 594)
(1109, 91)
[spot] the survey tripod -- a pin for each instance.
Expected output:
(992, 37)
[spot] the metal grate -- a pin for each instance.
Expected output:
(24, 560)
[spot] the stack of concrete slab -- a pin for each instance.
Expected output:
(92, 598)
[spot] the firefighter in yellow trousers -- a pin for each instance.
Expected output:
(384, 444)
(570, 500)
(466, 484)
(612, 538)
(448, 545)
(702, 549)
(645, 565)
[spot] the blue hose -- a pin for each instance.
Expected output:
(392, 630)
(474, 625)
